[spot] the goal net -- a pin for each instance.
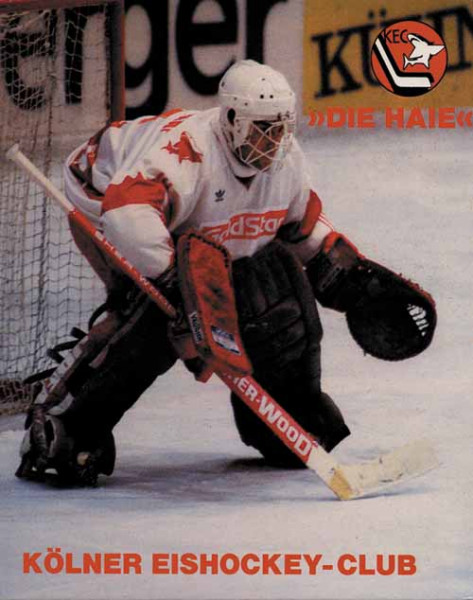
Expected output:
(60, 81)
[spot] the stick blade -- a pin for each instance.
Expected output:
(400, 465)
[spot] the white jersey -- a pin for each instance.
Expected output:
(143, 181)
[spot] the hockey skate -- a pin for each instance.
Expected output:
(50, 455)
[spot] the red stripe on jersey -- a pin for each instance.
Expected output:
(312, 214)
(156, 192)
(165, 115)
(170, 113)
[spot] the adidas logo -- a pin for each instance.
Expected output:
(219, 195)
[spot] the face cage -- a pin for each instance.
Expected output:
(266, 148)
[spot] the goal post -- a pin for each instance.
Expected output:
(61, 80)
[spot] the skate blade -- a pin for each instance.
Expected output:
(84, 475)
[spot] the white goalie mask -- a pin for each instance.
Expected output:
(257, 114)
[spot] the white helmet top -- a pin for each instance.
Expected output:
(257, 113)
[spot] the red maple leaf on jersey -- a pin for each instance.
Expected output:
(184, 149)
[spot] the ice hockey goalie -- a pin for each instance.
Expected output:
(247, 284)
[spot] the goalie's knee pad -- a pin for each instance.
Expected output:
(98, 381)
(281, 331)
(137, 353)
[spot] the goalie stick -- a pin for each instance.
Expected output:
(347, 481)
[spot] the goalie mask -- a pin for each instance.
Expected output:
(257, 115)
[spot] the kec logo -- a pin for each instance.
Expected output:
(409, 58)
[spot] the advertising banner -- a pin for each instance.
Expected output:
(338, 40)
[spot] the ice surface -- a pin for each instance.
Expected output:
(185, 483)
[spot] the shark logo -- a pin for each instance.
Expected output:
(422, 52)
(409, 58)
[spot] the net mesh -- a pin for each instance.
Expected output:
(54, 94)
